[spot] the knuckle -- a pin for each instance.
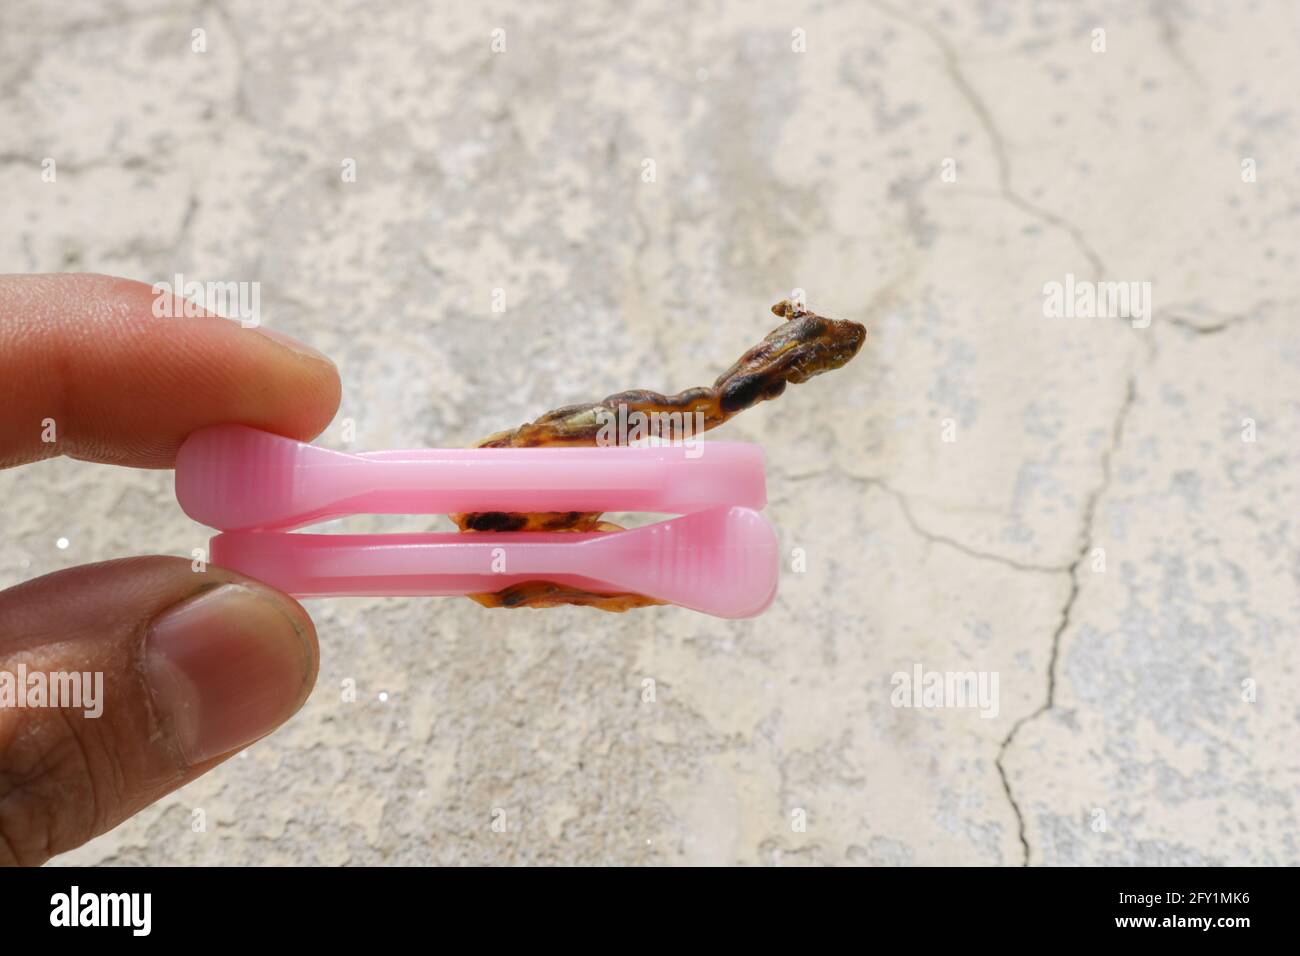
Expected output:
(56, 775)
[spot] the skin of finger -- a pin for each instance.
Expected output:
(125, 387)
(65, 778)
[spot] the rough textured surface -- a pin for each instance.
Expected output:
(1121, 690)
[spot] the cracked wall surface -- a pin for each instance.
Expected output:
(1066, 503)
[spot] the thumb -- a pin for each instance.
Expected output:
(176, 670)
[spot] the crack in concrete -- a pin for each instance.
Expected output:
(187, 222)
(904, 506)
(127, 164)
(1067, 610)
(1222, 321)
(92, 24)
(158, 256)
(933, 538)
(240, 103)
(997, 141)
(1171, 39)
(34, 28)
(1196, 329)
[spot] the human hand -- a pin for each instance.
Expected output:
(195, 665)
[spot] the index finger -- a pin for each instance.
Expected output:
(84, 361)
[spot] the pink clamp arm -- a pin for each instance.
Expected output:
(723, 561)
(232, 477)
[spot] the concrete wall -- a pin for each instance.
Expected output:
(1097, 534)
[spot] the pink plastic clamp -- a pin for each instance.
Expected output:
(719, 558)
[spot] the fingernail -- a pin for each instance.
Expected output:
(288, 341)
(225, 668)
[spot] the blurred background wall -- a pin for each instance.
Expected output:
(1076, 505)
